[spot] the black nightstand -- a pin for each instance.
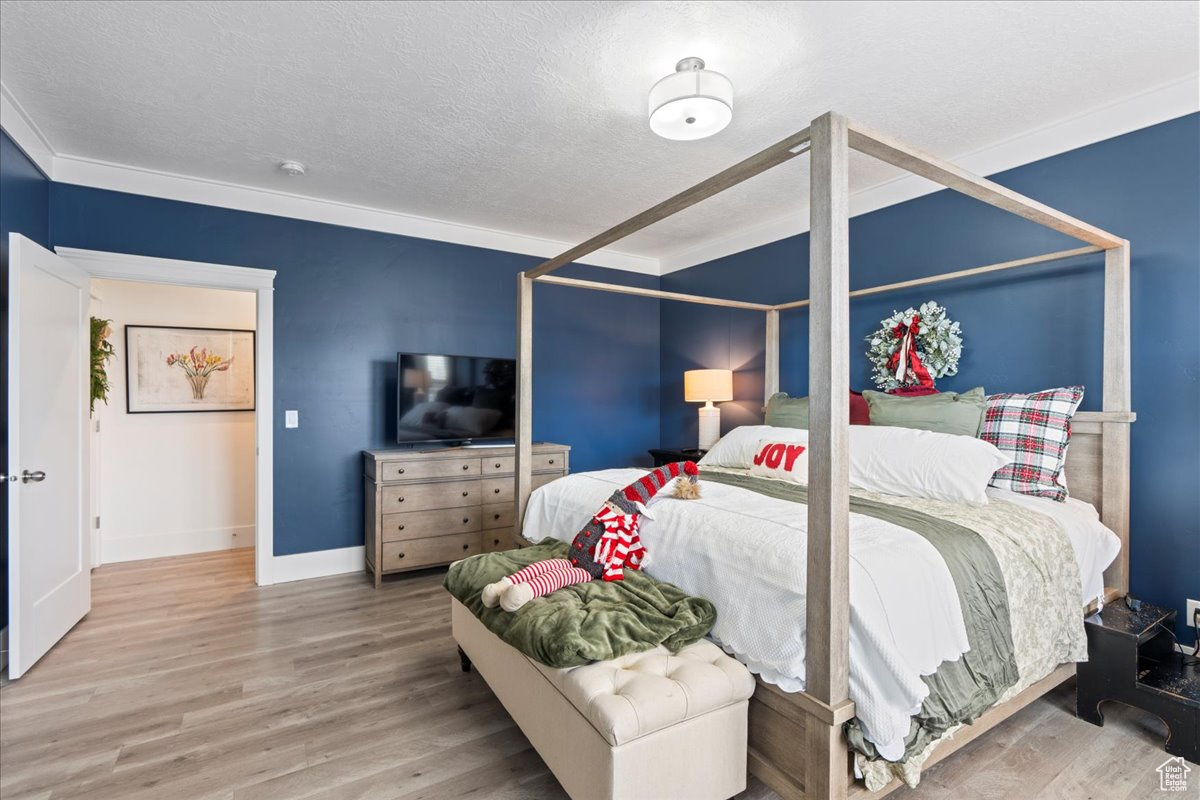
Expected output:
(1132, 659)
(668, 456)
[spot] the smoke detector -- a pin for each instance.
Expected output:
(293, 168)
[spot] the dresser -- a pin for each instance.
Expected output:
(424, 508)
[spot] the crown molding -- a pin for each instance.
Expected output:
(1160, 104)
(66, 168)
(170, 186)
(21, 128)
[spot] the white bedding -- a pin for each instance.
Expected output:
(746, 553)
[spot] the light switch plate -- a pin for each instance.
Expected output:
(291, 419)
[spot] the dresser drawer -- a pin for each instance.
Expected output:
(422, 497)
(498, 515)
(424, 470)
(548, 461)
(426, 552)
(498, 540)
(443, 521)
(500, 490)
(500, 465)
(497, 490)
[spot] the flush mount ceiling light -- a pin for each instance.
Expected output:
(692, 103)
(293, 168)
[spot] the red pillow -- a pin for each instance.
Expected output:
(860, 412)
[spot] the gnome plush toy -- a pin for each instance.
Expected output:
(607, 545)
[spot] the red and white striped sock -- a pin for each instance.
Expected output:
(539, 568)
(541, 585)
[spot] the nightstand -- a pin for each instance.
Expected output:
(668, 456)
(1132, 659)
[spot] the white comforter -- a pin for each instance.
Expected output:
(746, 553)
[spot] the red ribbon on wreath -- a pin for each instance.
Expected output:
(905, 359)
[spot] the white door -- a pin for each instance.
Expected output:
(49, 578)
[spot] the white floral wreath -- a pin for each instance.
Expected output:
(914, 347)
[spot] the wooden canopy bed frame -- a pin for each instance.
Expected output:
(796, 742)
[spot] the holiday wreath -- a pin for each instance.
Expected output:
(914, 347)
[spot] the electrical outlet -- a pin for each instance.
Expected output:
(1193, 606)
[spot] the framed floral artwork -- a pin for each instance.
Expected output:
(169, 370)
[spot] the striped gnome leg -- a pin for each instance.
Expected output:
(491, 592)
(541, 585)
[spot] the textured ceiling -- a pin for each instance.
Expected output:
(531, 117)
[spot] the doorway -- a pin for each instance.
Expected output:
(173, 274)
(172, 437)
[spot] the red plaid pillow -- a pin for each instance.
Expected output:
(1034, 430)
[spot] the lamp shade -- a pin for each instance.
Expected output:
(705, 385)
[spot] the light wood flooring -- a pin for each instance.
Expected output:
(187, 681)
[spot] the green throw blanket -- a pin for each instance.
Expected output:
(959, 691)
(587, 622)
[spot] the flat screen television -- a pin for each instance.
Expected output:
(455, 400)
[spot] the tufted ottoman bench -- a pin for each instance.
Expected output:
(647, 726)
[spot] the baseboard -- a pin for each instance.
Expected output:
(302, 566)
(3, 649)
(115, 548)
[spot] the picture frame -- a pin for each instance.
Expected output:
(179, 369)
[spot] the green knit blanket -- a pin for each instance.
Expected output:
(587, 622)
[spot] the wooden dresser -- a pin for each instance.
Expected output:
(424, 508)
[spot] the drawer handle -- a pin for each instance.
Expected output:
(466, 547)
(466, 467)
(400, 471)
(495, 541)
(401, 555)
(494, 516)
(497, 465)
(497, 491)
(401, 527)
(466, 520)
(552, 461)
(399, 499)
(465, 494)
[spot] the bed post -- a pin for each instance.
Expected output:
(1114, 471)
(826, 660)
(522, 474)
(771, 357)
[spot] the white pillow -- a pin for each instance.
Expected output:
(916, 463)
(738, 447)
(785, 460)
(899, 461)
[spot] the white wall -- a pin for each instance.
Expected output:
(179, 482)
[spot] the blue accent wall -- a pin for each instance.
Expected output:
(1031, 329)
(346, 300)
(24, 209)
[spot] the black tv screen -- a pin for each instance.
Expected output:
(455, 399)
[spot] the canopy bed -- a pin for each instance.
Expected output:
(796, 742)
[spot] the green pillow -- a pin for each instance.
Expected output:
(787, 412)
(945, 412)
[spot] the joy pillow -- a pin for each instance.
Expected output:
(784, 460)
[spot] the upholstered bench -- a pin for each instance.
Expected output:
(647, 725)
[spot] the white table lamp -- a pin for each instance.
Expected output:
(708, 386)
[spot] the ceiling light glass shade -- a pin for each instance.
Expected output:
(691, 103)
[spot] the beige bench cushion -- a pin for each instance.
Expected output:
(629, 697)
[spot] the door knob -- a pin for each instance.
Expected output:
(32, 477)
